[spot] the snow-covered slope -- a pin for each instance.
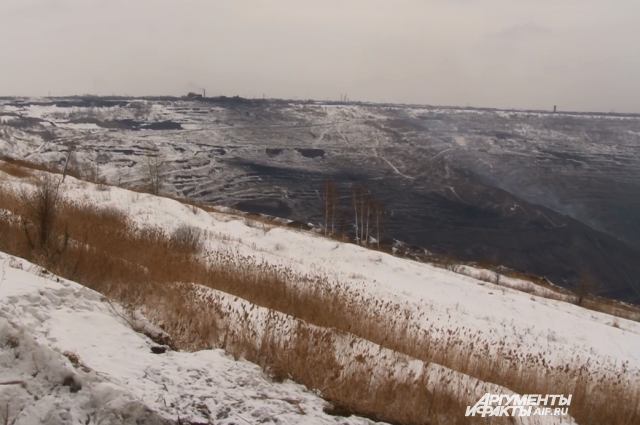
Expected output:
(122, 371)
(116, 378)
(442, 301)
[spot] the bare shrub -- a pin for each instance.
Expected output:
(260, 224)
(451, 264)
(485, 277)
(223, 237)
(250, 223)
(585, 286)
(141, 110)
(187, 238)
(41, 210)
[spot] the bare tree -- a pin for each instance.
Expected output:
(356, 195)
(335, 200)
(331, 200)
(76, 168)
(66, 163)
(369, 208)
(378, 212)
(96, 175)
(365, 214)
(154, 170)
(368, 213)
(360, 200)
(586, 285)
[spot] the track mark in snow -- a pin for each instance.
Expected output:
(440, 153)
(394, 168)
(377, 155)
(454, 192)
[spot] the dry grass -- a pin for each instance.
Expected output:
(324, 359)
(15, 170)
(27, 166)
(138, 268)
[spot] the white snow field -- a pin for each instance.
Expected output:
(42, 316)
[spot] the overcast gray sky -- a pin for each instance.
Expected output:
(578, 54)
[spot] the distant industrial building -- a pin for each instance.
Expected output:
(194, 96)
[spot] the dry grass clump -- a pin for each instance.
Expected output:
(323, 359)
(21, 166)
(41, 207)
(353, 387)
(139, 269)
(15, 170)
(187, 238)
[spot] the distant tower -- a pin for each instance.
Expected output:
(204, 92)
(555, 109)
